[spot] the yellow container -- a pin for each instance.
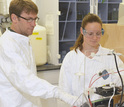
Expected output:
(39, 45)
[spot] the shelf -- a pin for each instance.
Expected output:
(67, 31)
(66, 21)
(67, 40)
(114, 1)
(82, 10)
(67, 11)
(83, 2)
(102, 11)
(67, 2)
(65, 48)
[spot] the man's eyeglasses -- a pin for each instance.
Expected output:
(91, 34)
(30, 19)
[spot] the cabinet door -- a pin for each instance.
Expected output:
(113, 7)
(67, 21)
(72, 13)
(82, 8)
(67, 26)
(108, 10)
(103, 10)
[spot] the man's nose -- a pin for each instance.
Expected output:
(33, 23)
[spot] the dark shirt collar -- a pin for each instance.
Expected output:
(11, 29)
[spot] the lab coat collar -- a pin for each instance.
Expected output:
(101, 52)
(97, 56)
(82, 54)
(17, 37)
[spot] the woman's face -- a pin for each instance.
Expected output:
(92, 35)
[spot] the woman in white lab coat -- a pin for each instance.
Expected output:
(19, 84)
(87, 61)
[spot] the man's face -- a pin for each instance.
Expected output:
(25, 26)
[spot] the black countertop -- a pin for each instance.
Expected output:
(48, 67)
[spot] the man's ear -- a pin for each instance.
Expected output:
(13, 17)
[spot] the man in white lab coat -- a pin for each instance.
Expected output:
(19, 85)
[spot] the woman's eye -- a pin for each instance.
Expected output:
(99, 33)
(90, 34)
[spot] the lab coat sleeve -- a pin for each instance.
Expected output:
(65, 77)
(23, 80)
(21, 77)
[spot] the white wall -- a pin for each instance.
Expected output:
(48, 13)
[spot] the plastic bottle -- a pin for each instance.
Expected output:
(39, 44)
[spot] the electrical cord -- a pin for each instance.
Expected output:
(89, 99)
(97, 79)
(91, 83)
(111, 96)
(92, 79)
(77, 99)
(120, 78)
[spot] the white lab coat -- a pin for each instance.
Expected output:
(19, 85)
(78, 63)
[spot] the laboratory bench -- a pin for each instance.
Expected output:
(47, 67)
(49, 72)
